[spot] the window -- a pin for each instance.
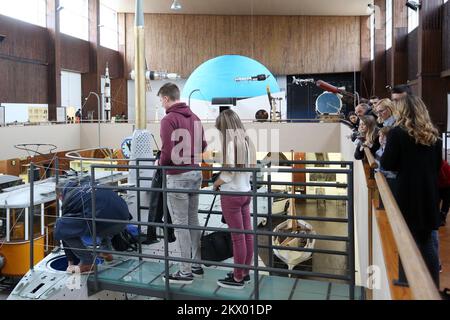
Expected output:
(413, 20)
(18, 113)
(109, 33)
(31, 11)
(388, 24)
(74, 18)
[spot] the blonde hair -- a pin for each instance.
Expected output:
(387, 104)
(233, 131)
(372, 129)
(413, 116)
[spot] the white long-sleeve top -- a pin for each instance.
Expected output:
(235, 181)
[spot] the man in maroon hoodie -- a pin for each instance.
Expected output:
(183, 143)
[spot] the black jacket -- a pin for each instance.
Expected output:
(77, 203)
(417, 180)
(360, 154)
(156, 208)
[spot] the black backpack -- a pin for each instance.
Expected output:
(125, 241)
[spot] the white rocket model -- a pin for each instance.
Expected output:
(107, 94)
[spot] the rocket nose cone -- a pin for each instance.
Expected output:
(139, 13)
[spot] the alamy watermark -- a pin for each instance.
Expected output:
(235, 147)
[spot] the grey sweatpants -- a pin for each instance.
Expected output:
(183, 208)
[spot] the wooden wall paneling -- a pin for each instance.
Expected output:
(431, 87)
(413, 55)
(11, 167)
(379, 63)
(129, 45)
(366, 71)
(399, 58)
(119, 97)
(99, 56)
(23, 40)
(414, 85)
(430, 37)
(23, 82)
(446, 38)
(121, 20)
(90, 82)
(286, 45)
(114, 60)
(54, 59)
(389, 66)
(74, 54)
(23, 52)
(119, 87)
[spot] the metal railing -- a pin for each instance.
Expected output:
(94, 121)
(256, 268)
(349, 253)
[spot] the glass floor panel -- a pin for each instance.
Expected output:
(146, 278)
(276, 288)
(118, 271)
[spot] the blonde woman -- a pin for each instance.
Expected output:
(237, 152)
(413, 149)
(368, 137)
(385, 111)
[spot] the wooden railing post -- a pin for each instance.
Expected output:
(370, 166)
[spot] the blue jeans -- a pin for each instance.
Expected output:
(183, 209)
(74, 248)
(435, 236)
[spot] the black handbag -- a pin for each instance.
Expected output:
(125, 241)
(216, 246)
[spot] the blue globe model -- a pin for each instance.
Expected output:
(216, 79)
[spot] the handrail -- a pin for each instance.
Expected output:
(349, 276)
(131, 122)
(419, 278)
(370, 158)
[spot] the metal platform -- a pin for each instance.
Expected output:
(146, 278)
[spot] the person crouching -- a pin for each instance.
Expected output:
(75, 223)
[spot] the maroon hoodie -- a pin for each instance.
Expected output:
(183, 138)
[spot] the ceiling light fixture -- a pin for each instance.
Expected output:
(175, 5)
